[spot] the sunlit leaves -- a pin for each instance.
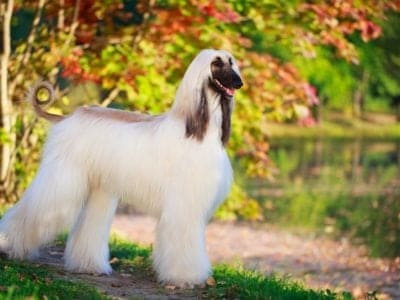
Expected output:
(141, 50)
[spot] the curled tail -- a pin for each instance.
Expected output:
(37, 103)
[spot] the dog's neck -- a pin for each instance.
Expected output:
(204, 111)
(220, 109)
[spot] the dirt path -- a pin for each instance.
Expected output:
(318, 262)
(117, 285)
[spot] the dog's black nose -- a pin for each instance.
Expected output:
(236, 81)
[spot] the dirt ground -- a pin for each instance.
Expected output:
(317, 262)
(117, 285)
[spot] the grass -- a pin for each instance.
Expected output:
(336, 125)
(20, 280)
(234, 283)
(231, 283)
(130, 258)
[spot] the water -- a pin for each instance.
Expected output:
(337, 187)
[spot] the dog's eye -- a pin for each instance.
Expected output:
(218, 62)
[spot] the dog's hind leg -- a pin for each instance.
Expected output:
(87, 247)
(48, 206)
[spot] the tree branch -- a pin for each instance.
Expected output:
(23, 59)
(6, 110)
(111, 96)
(144, 26)
(61, 15)
(74, 24)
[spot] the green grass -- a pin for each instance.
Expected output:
(335, 125)
(233, 283)
(128, 251)
(19, 280)
(130, 258)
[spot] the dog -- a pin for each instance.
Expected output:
(173, 166)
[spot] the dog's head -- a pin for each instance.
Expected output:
(211, 79)
(225, 76)
(215, 69)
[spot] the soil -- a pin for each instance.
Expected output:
(117, 285)
(319, 263)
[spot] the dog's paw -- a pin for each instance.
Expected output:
(96, 270)
(106, 270)
(179, 286)
(173, 284)
(184, 285)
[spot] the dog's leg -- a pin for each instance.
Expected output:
(180, 255)
(87, 247)
(49, 206)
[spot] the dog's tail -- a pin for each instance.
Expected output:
(38, 103)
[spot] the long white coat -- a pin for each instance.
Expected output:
(96, 156)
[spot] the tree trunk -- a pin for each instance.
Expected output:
(395, 103)
(359, 95)
(7, 143)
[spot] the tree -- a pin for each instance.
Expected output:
(135, 52)
(7, 136)
(381, 59)
(369, 82)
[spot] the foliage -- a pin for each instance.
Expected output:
(135, 52)
(372, 77)
(335, 80)
(381, 61)
(239, 206)
(352, 193)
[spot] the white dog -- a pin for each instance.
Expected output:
(172, 166)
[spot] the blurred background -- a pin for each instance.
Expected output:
(316, 127)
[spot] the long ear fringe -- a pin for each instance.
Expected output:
(226, 108)
(197, 121)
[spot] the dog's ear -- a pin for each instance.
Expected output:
(226, 109)
(198, 119)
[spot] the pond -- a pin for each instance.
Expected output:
(337, 187)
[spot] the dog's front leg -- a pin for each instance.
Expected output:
(87, 246)
(180, 256)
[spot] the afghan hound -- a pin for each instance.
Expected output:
(172, 166)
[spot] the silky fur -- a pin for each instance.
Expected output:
(172, 166)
